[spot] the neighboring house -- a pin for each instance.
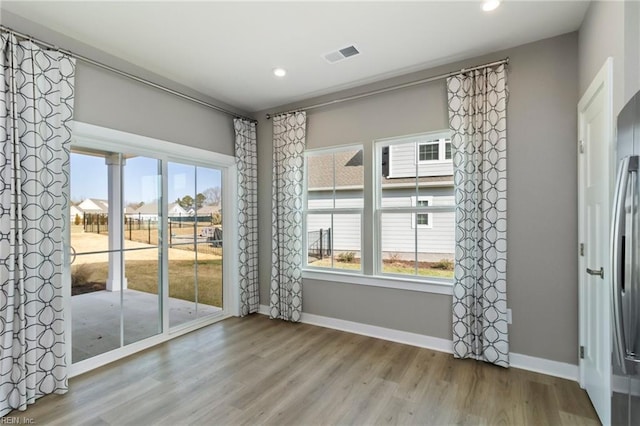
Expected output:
(204, 210)
(431, 157)
(75, 211)
(150, 212)
(208, 210)
(94, 205)
(431, 160)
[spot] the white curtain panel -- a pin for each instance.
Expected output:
(289, 132)
(247, 162)
(477, 116)
(36, 105)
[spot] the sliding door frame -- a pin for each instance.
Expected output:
(104, 139)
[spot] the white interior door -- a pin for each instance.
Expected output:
(594, 164)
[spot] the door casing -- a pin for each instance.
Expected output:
(593, 288)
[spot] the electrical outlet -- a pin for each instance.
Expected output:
(509, 317)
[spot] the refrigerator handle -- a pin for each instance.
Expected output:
(617, 258)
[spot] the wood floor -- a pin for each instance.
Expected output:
(260, 371)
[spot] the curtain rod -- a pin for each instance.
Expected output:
(391, 88)
(124, 73)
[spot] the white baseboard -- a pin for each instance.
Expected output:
(525, 362)
(263, 310)
(544, 366)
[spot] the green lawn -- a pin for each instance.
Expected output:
(142, 275)
(388, 267)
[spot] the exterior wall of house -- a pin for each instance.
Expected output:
(90, 207)
(397, 236)
(73, 212)
(542, 168)
(398, 229)
(403, 160)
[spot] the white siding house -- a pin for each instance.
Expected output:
(432, 233)
(150, 212)
(426, 157)
(94, 205)
(75, 211)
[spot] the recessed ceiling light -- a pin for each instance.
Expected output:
(489, 5)
(279, 72)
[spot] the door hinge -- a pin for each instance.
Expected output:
(581, 352)
(581, 249)
(581, 146)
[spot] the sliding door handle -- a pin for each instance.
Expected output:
(597, 272)
(72, 253)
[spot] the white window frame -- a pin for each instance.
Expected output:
(330, 211)
(442, 145)
(370, 275)
(418, 146)
(414, 219)
(104, 139)
(441, 136)
(447, 142)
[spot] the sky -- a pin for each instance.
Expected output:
(89, 179)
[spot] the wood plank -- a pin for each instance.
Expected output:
(258, 371)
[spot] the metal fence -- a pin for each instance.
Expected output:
(319, 243)
(96, 222)
(181, 228)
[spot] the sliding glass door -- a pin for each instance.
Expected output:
(115, 278)
(195, 242)
(140, 225)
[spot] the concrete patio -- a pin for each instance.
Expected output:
(96, 319)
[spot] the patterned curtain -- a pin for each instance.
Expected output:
(247, 161)
(289, 132)
(36, 105)
(477, 116)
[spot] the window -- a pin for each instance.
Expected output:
(333, 208)
(435, 150)
(414, 211)
(429, 151)
(409, 209)
(422, 220)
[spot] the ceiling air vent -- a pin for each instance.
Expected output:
(341, 54)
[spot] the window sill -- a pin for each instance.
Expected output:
(398, 283)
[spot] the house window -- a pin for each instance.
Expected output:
(435, 150)
(408, 213)
(429, 151)
(333, 208)
(414, 208)
(422, 220)
(447, 150)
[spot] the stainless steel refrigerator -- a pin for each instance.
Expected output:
(625, 282)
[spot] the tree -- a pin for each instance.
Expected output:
(212, 196)
(186, 202)
(200, 198)
(77, 219)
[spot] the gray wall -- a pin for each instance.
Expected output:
(611, 29)
(542, 121)
(602, 35)
(106, 99)
(631, 48)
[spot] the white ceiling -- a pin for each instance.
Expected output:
(227, 50)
